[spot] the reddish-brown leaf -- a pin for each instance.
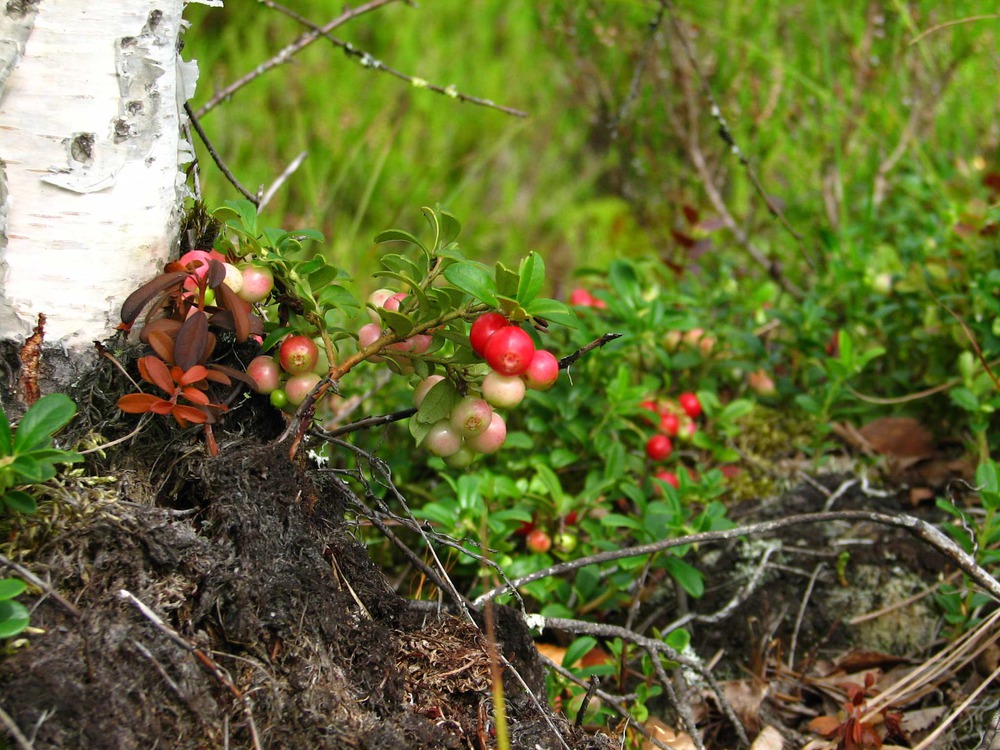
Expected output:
(195, 396)
(163, 344)
(154, 371)
(192, 338)
(826, 726)
(137, 300)
(240, 316)
(216, 273)
(185, 414)
(222, 374)
(139, 403)
(193, 375)
(169, 326)
(163, 407)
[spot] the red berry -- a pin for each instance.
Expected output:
(572, 517)
(690, 404)
(485, 326)
(542, 370)
(581, 298)
(659, 447)
(669, 477)
(538, 541)
(298, 354)
(509, 351)
(670, 423)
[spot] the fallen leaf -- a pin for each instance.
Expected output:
(769, 739)
(898, 437)
(667, 735)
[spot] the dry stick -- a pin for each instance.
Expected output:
(727, 136)
(15, 731)
(800, 615)
(204, 658)
(920, 529)
(282, 178)
(286, 54)
(930, 739)
(683, 709)
(218, 159)
(367, 61)
(35, 580)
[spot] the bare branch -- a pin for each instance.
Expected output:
(218, 159)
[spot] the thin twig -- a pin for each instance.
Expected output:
(800, 615)
(206, 661)
(953, 22)
(918, 528)
(216, 158)
(633, 91)
(570, 359)
(11, 726)
(593, 684)
(36, 581)
(287, 53)
(282, 178)
(726, 134)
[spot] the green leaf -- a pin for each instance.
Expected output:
(507, 281)
(11, 587)
(531, 278)
(20, 501)
(30, 470)
(247, 212)
(964, 398)
(5, 444)
(578, 649)
(334, 295)
(736, 409)
(450, 228)
(689, 577)
(399, 323)
(46, 416)
(398, 235)
(552, 311)
(474, 279)
(988, 478)
(437, 403)
(13, 618)
(274, 337)
(617, 520)
(678, 639)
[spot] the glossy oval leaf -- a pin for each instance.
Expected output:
(474, 279)
(13, 618)
(46, 416)
(20, 501)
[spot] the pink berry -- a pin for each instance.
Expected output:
(423, 387)
(542, 372)
(299, 386)
(265, 372)
(493, 439)
(442, 440)
(503, 391)
(470, 417)
(392, 304)
(669, 477)
(509, 351)
(377, 299)
(258, 281)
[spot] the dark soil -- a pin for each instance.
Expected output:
(289, 636)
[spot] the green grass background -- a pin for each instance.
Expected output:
(818, 95)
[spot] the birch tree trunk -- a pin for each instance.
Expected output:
(91, 107)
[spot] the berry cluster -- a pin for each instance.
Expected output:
(674, 419)
(291, 377)
(386, 299)
(472, 426)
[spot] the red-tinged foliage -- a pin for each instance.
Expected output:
(850, 730)
(178, 383)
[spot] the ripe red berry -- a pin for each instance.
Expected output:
(538, 541)
(659, 447)
(669, 477)
(581, 298)
(690, 404)
(509, 351)
(670, 423)
(485, 326)
(298, 354)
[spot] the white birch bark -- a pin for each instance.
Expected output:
(91, 103)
